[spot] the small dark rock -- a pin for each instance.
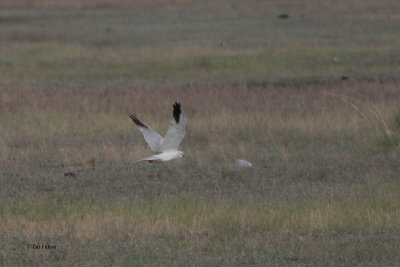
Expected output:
(70, 174)
(283, 16)
(48, 189)
(344, 78)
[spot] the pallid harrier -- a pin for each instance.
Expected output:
(166, 148)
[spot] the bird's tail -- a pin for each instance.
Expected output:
(150, 159)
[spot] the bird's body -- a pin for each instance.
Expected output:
(166, 148)
(163, 157)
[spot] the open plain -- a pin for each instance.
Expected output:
(311, 100)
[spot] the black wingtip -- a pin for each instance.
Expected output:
(177, 111)
(136, 120)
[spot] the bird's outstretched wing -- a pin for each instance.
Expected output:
(152, 138)
(176, 131)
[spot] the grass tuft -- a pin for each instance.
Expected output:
(387, 133)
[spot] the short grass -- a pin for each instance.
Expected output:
(188, 42)
(323, 189)
(50, 62)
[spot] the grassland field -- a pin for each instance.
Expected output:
(312, 101)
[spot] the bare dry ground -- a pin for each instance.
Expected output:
(311, 101)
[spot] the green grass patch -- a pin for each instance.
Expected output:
(171, 214)
(50, 62)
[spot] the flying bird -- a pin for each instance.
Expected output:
(165, 148)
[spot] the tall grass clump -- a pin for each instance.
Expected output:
(388, 136)
(387, 131)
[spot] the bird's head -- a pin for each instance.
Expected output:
(181, 153)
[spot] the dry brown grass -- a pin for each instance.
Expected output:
(106, 4)
(243, 115)
(371, 7)
(302, 100)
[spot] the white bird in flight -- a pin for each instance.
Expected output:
(166, 148)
